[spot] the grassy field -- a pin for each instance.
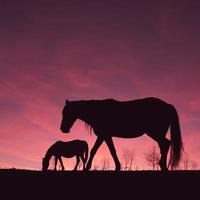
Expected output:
(101, 184)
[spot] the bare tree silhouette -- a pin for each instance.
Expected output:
(194, 165)
(152, 157)
(186, 162)
(127, 159)
(106, 164)
(95, 168)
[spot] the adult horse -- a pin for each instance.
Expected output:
(129, 119)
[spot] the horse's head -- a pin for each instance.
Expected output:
(68, 117)
(45, 164)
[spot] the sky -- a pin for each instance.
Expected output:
(54, 50)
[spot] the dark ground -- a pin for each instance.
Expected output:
(99, 184)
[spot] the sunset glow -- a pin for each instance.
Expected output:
(51, 51)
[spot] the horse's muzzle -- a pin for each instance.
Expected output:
(64, 130)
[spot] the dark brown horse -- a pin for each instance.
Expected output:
(78, 148)
(110, 118)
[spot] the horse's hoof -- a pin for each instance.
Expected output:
(117, 169)
(86, 169)
(164, 170)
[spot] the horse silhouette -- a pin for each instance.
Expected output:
(128, 119)
(78, 148)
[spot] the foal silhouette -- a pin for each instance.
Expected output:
(78, 148)
(110, 118)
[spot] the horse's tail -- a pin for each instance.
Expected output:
(85, 152)
(176, 140)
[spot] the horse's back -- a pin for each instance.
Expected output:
(69, 148)
(129, 117)
(128, 109)
(149, 101)
(145, 106)
(75, 142)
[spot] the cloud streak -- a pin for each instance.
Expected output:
(125, 51)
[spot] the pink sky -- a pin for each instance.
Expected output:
(50, 52)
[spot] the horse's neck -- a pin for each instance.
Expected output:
(83, 109)
(49, 153)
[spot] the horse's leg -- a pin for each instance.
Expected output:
(159, 135)
(164, 145)
(61, 162)
(83, 160)
(111, 147)
(93, 152)
(77, 162)
(56, 161)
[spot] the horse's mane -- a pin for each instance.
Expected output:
(97, 100)
(88, 128)
(103, 100)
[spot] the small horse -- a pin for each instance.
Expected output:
(78, 148)
(110, 118)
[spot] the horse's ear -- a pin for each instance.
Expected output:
(67, 101)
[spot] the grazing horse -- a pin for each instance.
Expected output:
(129, 119)
(78, 148)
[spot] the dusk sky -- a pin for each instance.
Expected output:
(53, 50)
